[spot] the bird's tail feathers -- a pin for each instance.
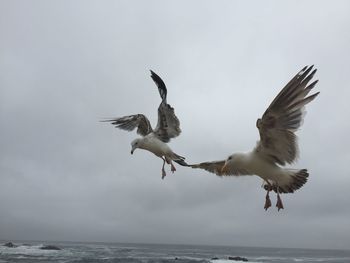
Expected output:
(179, 159)
(296, 179)
(181, 162)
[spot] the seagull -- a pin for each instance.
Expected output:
(277, 146)
(156, 140)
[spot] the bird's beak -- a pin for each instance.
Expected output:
(224, 169)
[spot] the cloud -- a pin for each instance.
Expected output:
(66, 65)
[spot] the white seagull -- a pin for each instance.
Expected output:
(278, 143)
(168, 127)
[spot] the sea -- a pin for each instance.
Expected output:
(31, 252)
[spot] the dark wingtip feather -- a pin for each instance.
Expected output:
(182, 163)
(312, 85)
(107, 120)
(304, 73)
(311, 97)
(160, 84)
(316, 94)
(154, 75)
(313, 72)
(306, 78)
(303, 70)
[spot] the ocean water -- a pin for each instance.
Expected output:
(30, 252)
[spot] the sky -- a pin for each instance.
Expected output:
(65, 65)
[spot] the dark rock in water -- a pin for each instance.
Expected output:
(10, 244)
(238, 259)
(50, 247)
(214, 258)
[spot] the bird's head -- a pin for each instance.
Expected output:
(135, 144)
(228, 161)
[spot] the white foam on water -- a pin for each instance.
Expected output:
(319, 259)
(231, 261)
(27, 250)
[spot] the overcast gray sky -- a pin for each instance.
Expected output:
(64, 65)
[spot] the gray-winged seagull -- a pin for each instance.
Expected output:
(155, 141)
(278, 143)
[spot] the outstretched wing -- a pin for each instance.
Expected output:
(160, 84)
(131, 122)
(168, 125)
(216, 168)
(283, 117)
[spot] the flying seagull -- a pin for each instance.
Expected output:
(278, 143)
(156, 140)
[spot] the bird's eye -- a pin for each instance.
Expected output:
(230, 157)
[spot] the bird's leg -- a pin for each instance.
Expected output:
(173, 169)
(279, 203)
(267, 198)
(267, 201)
(163, 171)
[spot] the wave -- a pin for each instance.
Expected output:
(30, 250)
(230, 261)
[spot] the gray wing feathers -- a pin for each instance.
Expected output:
(284, 116)
(293, 87)
(168, 125)
(212, 167)
(216, 168)
(131, 122)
